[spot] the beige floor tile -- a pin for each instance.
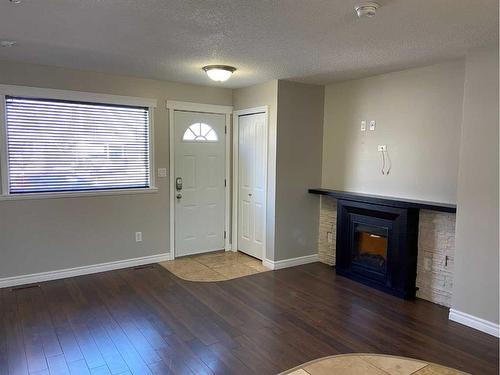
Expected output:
(243, 258)
(218, 259)
(257, 265)
(216, 266)
(395, 366)
(299, 372)
(204, 275)
(215, 254)
(235, 270)
(349, 365)
(438, 370)
(183, 266)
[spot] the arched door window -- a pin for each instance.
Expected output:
(200, 132)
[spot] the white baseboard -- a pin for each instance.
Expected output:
(292, 262)
(475, 322)
(84, 270)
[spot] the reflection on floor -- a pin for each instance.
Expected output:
(216, 266)
(370, 364)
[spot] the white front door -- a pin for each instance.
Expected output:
(252, 161)
(199, 169)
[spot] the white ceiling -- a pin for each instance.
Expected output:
(316, 41)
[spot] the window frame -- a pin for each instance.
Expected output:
(78, 96)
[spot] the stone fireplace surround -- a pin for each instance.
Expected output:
(436, 248)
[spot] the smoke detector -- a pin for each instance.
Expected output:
(366, 9)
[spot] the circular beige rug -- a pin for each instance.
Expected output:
(370, 364)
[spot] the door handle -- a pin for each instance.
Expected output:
(249, 194)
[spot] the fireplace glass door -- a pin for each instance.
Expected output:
(370, 248)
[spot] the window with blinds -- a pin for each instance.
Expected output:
(65, 146)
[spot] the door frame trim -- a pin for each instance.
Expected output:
(173, 106)
(236, 166)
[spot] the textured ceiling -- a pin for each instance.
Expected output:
(316, 41)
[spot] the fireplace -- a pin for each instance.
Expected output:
(370, 248)
(377, 245)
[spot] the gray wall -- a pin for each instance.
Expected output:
(295, 142)
(418, 114)
(50, 234)
(476, 261)
(298, 168)
(257, 96)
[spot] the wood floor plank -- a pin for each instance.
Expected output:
(57, 365)
(148, 321)
(78, 367)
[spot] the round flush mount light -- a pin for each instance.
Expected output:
(219, 73)
(7, 43)
(366, 9)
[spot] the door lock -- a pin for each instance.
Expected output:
(179, 196)
(178, 183)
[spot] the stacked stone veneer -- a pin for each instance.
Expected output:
(436, 241)
(327, 224)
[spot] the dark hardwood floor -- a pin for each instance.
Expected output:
(147, 321)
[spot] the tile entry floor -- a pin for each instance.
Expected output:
(370, 364)
(215, 266)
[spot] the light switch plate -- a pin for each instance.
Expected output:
(138, 236)
(363, 126)
(162, 172)
(372, 124)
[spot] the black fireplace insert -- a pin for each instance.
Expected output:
(377, 245)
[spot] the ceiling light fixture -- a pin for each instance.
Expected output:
(367, 9)
(7, 43)
(219, 73)
(15, 1)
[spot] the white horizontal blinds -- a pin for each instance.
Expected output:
(56, 145)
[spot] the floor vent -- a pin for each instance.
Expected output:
(143, 267)
(23, 287)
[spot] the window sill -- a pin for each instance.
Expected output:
(92, 193)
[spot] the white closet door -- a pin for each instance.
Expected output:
(252, 181)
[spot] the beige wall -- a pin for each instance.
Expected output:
(257, 96)
(298, 168)
(418, 114)
(476, 262)
(51, 234)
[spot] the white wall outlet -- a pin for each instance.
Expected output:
(329, 237)
(373, 123)
(381, 148)
(363, 126)
(162, 172)
(138, 236)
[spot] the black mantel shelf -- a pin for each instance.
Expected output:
(386, 201)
